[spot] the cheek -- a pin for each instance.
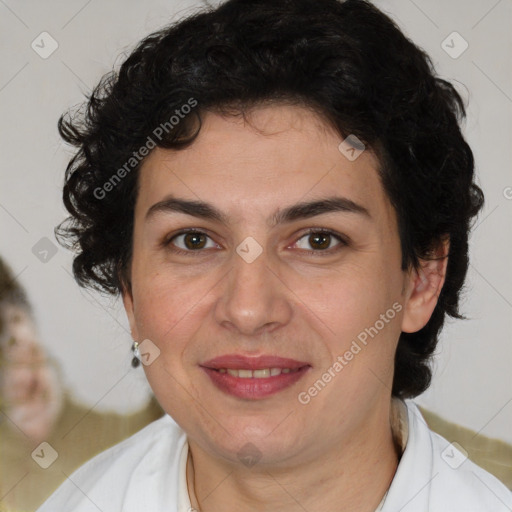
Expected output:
(168, 308)
(361, 307)
(358, 314)
(348, 298)
(334, 305)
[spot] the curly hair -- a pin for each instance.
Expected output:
(346, 60)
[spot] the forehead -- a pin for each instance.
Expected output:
(15, 320)
(14, 312)
(275, 156)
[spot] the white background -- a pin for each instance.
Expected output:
(88, 333)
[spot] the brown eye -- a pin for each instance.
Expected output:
(320, 241)
(194, 240)
(190, 241)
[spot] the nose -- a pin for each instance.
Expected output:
(253, 300)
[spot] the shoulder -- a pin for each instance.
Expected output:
(105, 482)
(458, 480)
(455, 482)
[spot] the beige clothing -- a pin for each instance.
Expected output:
(80, 433)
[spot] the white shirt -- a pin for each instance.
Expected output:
(147, 472)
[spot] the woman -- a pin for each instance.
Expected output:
(281, 194)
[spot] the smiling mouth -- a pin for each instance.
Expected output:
(255, 377)
(256, 374)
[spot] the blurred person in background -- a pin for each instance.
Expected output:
(32, 395)
(36, 409)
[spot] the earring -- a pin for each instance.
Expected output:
(136, 355)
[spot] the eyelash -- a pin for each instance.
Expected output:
(312, 231)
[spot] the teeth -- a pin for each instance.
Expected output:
(256, 374)
(261, 373)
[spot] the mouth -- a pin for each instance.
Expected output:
(256, 374)
(254, 378)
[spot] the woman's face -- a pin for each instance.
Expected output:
(256, 283)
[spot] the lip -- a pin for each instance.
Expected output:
(253, 388)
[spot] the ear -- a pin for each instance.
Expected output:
(424, 287)
(129, 308)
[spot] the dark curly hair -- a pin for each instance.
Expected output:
(346, 60)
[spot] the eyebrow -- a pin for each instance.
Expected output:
(304, 210)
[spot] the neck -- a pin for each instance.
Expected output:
(353, 478)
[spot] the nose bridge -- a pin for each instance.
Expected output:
(254, 299)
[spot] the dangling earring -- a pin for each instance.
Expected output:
(136, 355)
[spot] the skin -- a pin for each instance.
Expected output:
(31, 392)
(336, 452)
